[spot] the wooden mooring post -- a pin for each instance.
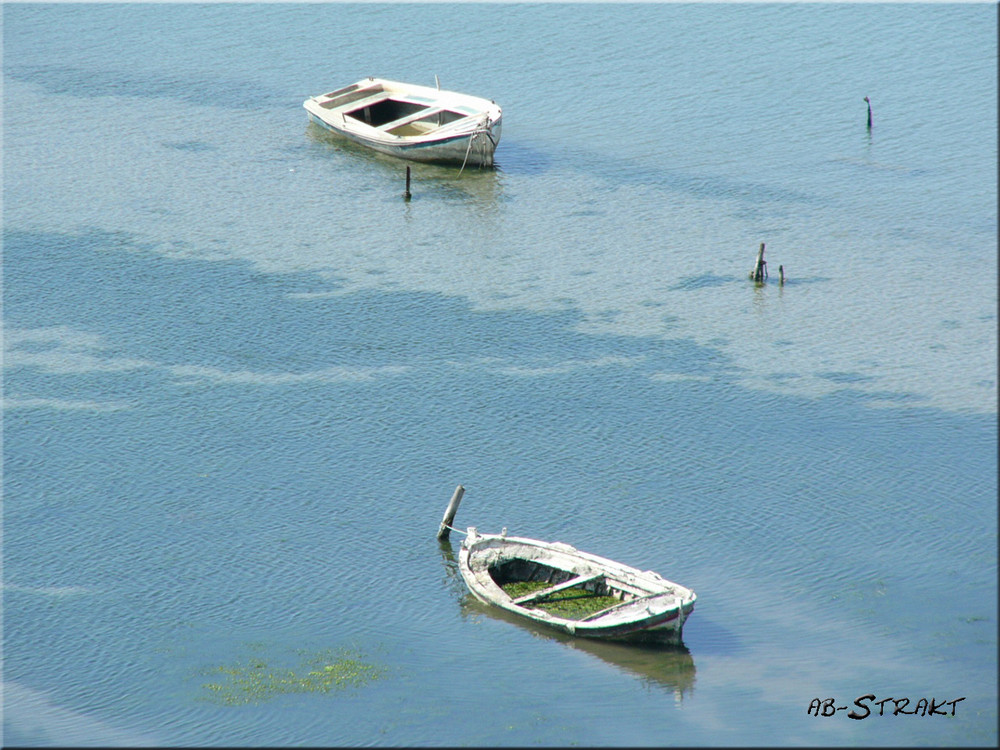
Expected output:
(449, 515)
(407, 195)
(759, 272)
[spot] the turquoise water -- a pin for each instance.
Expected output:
(242, 376)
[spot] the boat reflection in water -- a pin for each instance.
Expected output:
(668, 665)
(484, 187)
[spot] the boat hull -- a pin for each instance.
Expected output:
(412, 122)
(453, 150)
(649, 607)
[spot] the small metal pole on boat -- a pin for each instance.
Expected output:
(406, 195)
(449, 514)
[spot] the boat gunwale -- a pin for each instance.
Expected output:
(682, 598)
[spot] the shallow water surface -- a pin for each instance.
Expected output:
(242, 376)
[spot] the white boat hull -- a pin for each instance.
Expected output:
(412, 122)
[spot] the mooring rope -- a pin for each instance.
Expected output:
(680, 616)
(472, 135)
(482, 130)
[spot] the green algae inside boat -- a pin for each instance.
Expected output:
(573, 591)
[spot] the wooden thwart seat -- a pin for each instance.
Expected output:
(413, 117)
(360, 97)
(578, 581)
(624, 604)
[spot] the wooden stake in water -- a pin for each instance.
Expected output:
(406, 195)
(759, 272)
(869, 103)
(449, 514)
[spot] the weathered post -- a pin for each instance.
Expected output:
(406, 195)
(869, 103)
(759, 272)
(781, 274)
(449, 514)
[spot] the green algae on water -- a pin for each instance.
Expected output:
(573, 603)
(256, 680)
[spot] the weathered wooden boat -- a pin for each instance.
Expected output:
(576, 592)
(412, 122)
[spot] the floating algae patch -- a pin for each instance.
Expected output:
(256, 680)
(573, 604)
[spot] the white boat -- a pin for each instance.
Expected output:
(579, 593)
(420, 123)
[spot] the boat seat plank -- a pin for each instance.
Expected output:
(577, 581)
(429, 112)
(625, 603)
(359, 98)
